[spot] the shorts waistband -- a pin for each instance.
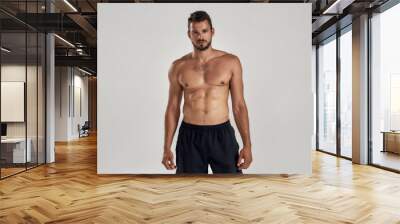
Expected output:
(205, 127)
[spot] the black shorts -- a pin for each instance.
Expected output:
(200, 145)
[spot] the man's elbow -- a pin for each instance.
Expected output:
(173, 110)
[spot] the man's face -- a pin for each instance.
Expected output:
(200, 33)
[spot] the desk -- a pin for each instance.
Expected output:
(13, 150)
(391, 141)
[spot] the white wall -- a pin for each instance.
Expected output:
(138, 42)
(61, 103)
(67, 80)
(80, 83)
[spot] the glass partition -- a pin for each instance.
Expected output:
(22, 77)
(31, 100)
(14, 154)
(385, 89)
(327, 96)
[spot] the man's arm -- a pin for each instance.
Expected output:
(172, 114)
(240, 113)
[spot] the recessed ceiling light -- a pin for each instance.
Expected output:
(5, 49)
(84, 71)
(70, 5)
(337, 7)
(64, 40)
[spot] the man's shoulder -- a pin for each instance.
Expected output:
(177, 64)
(227, 56)
(180, 61)
(230, 60)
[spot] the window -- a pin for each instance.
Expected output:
(327, 96)
(346, 93)
(385, 88)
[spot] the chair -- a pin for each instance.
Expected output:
(84, 130)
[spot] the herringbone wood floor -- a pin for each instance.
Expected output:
(70, 191)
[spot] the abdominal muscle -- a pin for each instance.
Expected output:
(206, 106)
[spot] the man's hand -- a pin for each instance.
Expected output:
(168, 160)
(245, 154)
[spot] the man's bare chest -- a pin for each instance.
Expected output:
(198, 75)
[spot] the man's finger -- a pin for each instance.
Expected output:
(173, 164)
(169, 166)
(243, 165)
(246, 164)
(239, 161)
(170, 160)
(164, 162)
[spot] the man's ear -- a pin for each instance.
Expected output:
(188, 33)
(212, 31)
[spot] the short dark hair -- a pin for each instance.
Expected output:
(199, 16)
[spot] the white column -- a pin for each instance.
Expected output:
(360, 90)
(50, 91)
(50, 79)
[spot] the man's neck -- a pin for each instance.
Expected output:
(204, 55)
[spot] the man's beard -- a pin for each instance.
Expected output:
(202, 48)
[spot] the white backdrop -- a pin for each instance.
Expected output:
(138, 42)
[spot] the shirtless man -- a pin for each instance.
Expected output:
(206, 136)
